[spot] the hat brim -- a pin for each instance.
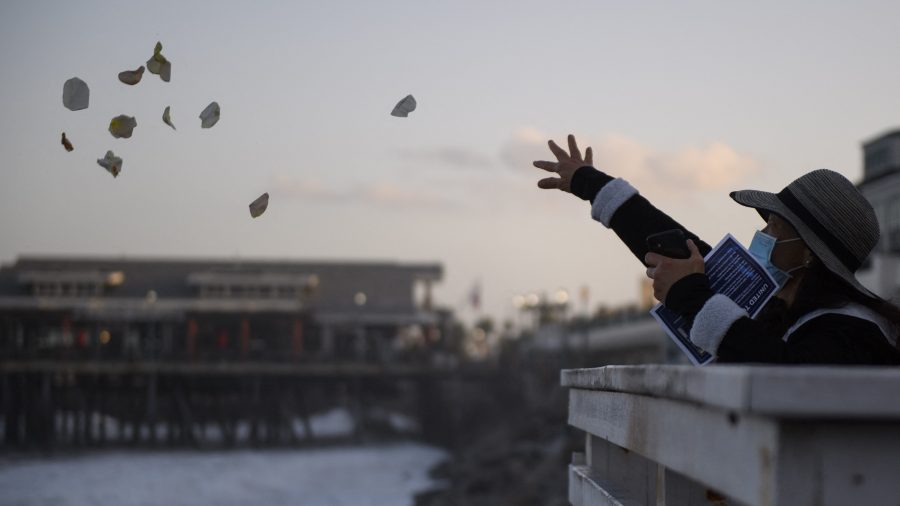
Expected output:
(766, 203)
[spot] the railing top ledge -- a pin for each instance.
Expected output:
(782, 392)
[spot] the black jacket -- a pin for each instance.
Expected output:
(825, 339)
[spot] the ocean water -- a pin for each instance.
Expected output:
(383, 475)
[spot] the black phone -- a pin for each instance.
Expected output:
(671, 243)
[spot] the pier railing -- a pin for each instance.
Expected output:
(735, 435)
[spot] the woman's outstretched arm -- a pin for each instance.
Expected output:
(614, 202)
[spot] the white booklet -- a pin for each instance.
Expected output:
(733, 272)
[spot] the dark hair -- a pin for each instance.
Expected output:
(821, 288)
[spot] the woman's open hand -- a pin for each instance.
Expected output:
(565, 166)
(665, 271)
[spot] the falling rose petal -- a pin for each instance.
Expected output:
(66, 144)
(132, 77)
(122, 126)
(159, 65)
(404, 107)
(258, 206)
(156, 61)
(111, 162)
(210, 115)
(165, 71)
(167, 119)
(76, 94)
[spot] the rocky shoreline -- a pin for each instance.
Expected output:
(515, 449)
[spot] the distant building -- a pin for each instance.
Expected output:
(109, 308)
(881, 186)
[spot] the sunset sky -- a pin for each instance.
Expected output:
(687, 100)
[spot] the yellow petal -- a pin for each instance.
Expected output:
(122, 126)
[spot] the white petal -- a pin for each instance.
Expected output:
(158, 64)
(210, 115)
(258, 206)
(167, 119)
(111, 163)
(122, 126)
(153, 66)
(404, 107)
(132, 77)
(76, 94)
(165, 71)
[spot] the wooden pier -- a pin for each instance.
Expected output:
(57, 404)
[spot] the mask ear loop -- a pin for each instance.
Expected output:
(806, 263)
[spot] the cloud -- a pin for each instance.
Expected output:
(308, 188)
(385, 194)
(714, 166)
(526, 146)
(454, 156)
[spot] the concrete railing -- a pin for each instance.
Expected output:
(735, 435)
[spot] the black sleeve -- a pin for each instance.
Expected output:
(688, 295)
(635, 219)
(828, 339)
(588, 181)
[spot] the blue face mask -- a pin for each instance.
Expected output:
(761, 248)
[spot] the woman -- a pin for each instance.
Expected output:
(819, 231)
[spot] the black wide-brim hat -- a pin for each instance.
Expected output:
(832, 217)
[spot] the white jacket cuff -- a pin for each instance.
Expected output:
(713, 321)
(610, 198)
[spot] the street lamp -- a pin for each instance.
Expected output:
(562, 296)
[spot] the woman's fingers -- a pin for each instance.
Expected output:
(651, 271)
(693, 249)
(550, 183)
(589, 157)
(549, 166)
(574, 152)
(559, 152)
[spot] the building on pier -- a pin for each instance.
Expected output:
(881, 186)
(206, 309)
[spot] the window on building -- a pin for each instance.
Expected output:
(287, 292)
(893, 219)
(892, 242)
(215, 291)
(84, 289)
(45, 289)
(875, 159)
